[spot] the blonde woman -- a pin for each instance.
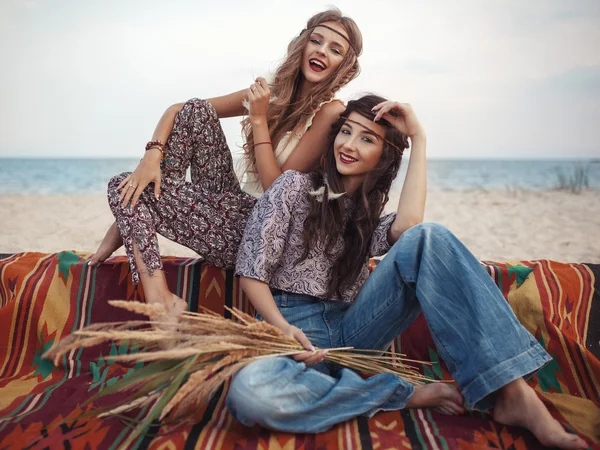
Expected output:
(287, 127)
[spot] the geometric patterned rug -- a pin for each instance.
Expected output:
(44, 297)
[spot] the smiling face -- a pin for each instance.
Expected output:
(324, 52)
(357, 148)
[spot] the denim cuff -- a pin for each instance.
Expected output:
(478, 392)
(397, 400)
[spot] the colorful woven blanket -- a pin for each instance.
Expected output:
(44, 297)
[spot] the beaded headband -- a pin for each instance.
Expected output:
(376, 134)
(335, 31)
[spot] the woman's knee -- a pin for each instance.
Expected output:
(429, 230)
(259, 376)
(115, 181)
(427, 234)
(197, 111)
(254, 390)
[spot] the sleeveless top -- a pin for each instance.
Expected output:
(249, 179)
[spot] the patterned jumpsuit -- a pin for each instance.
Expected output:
(207, 215)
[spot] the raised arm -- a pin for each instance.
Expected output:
(266, 164)
(307, 153)
(411, 206)
(230, 105)
(305, 157)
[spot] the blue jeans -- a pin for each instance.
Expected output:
(428, 269)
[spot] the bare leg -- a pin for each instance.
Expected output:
(112, 241)
(439, 396)
(519, 405)
(156, 289)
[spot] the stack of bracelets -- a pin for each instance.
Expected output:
(161, 148)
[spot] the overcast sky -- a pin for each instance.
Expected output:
(488, 79)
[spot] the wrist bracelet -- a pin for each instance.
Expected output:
(154, 144)
(264, 142)
(162, 152)
(160, 146)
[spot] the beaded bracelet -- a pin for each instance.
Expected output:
(162, 152)
(154, 144)
(160, 146)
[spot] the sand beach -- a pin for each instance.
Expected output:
(499, 225)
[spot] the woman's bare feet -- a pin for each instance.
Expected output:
(439, 396)
(519, 405)
(174, 306)
(111, 242)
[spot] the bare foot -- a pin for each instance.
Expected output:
(174, 307)
(111, 242)
(439, 396)
(519, 405)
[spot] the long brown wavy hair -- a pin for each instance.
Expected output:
(354, 221)
(287, 109)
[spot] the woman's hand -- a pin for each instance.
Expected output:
(311, 357)
(147, 171)
(401, 116)
(258, 96)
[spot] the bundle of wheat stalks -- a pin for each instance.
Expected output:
(189, 360)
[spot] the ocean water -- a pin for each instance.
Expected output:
(90, 176)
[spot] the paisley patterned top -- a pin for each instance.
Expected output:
(272, 242)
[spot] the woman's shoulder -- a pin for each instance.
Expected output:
(332, 109)
(294, 178)
(333, 104)
(289, 188)
(291, 181)
(328, 111)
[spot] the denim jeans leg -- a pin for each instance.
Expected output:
(474, 328)
(282, 394)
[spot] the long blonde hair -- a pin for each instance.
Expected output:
(286, 111)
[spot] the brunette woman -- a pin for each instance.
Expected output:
(304, 265)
